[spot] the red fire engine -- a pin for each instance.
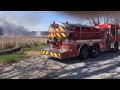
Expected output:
(75, 40)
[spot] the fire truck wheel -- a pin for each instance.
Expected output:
(115, 49)
(84, 53)
(94, 51)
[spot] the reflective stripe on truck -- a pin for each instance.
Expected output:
(53, 54)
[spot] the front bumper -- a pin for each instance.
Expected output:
(57, 53)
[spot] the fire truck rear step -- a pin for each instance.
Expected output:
(53, 52)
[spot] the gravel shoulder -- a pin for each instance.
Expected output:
(105, 66)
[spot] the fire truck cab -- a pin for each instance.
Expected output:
(75, 40)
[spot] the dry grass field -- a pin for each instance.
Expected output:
(26, 41)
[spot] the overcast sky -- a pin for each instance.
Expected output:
(35, 20)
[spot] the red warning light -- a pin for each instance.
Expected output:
(67, 22)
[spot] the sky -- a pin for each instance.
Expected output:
(36, 20)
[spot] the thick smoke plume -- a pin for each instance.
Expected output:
(19, 22)
(7, 29)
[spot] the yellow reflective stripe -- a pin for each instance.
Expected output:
(55, 35)
(51, 35)
(51, 54)
(63, 34)
(58, 35)
(48, 35)
(57, 29)
(58, 55)
(52, 29)
(46, 53)
(61, 28)
(43, 52)
(55, 55)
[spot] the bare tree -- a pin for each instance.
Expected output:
(99, 17)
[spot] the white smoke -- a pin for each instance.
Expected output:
(12, 29)
(19, 23)
(27, 19)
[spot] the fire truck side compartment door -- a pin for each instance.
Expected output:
(73, 51)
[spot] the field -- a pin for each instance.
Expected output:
(31, 46)
(26, 41)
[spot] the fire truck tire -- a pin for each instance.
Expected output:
(94, 51)
(84, 52)
(116, 47)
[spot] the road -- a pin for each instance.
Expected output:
(105, 66)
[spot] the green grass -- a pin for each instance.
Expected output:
(17, 56)
(1, 49)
